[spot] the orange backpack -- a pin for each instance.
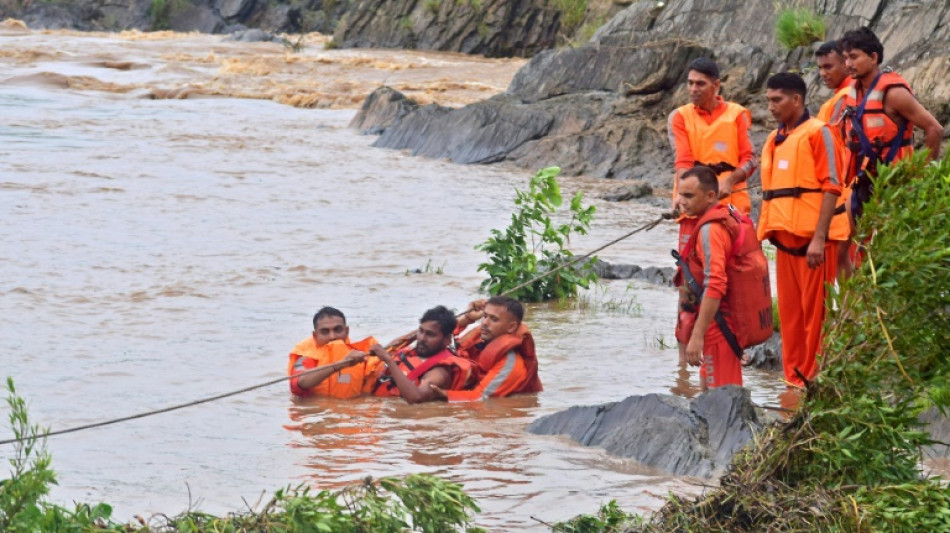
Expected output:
(748, 291)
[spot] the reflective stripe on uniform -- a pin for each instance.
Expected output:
(502, 376)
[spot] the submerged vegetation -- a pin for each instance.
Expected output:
(533, 244)
(416, 503)
(849, 459)
(798, 27)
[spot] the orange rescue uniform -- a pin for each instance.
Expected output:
(797, 169)
(719, 140)
(346, 383)
(707, 264)
(504, 366)
(415, 368)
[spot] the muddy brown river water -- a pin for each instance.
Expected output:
(158, 250)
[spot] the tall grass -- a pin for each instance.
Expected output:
(799, 27)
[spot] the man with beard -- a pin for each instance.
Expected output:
(882, 113)
(412, 373)
(502, 349)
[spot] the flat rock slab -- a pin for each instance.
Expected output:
(666, 432)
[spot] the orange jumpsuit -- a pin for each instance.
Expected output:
(723, 142)
(808, 160)
(707, 263)
(506, 365)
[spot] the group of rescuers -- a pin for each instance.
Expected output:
(816, 176)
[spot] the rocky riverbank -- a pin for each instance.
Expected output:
(601, 109)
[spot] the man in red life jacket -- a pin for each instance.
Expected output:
(711, 132)
(502, 349)
(882, 112)
(347, 373)
(706, 347)
(411, 372)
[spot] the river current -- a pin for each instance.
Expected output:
(158, 250)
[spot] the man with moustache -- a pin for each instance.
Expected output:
(412, 373)
(882, 113)
(346, 372)
(801, 188)
(714, 133)
(502, 349)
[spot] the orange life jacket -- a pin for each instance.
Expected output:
(791, 192)
(745, 312)
(346, 383)
(716, 145)
(485, 356)
(415, 367)
(872, 136)
(832, 114)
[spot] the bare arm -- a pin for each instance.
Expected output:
(901, 103)
(438, 376)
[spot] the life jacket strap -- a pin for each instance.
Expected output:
(788, 192)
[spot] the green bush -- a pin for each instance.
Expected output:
(417, 503)
(799, 27)
(572, 12)
(533, 244)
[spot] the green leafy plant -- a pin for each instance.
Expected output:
(417, 503)
(849, 458)
(534, 244)
(798, 27)
(609, 519)
(572, 11)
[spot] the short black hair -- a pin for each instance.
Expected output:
(828, 47)
(708, 181)
(326, 312)
(864, 40)
(443, 316)
(788, 82)
(706, 66)
(513, 306)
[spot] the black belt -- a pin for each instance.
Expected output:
(800, 251)
(790, 192)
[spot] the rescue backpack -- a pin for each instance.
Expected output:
(748, 291)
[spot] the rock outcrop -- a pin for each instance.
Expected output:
(494, 28)
(666, 432)
(601, 109)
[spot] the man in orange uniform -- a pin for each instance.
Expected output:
(706, 347)
(347, 372)
(801, 188)
(431, 362)
(711, 132)
(882, 113)
(834, 73)
(502, 348)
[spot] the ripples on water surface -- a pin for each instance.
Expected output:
(159, 251)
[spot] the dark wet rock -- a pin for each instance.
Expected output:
(938, 426)
(480, 133)
(380, 109)
(666, 432)
(495, 28)
(767, 355)
(629, 191)
(655, 275)
(253, 35)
